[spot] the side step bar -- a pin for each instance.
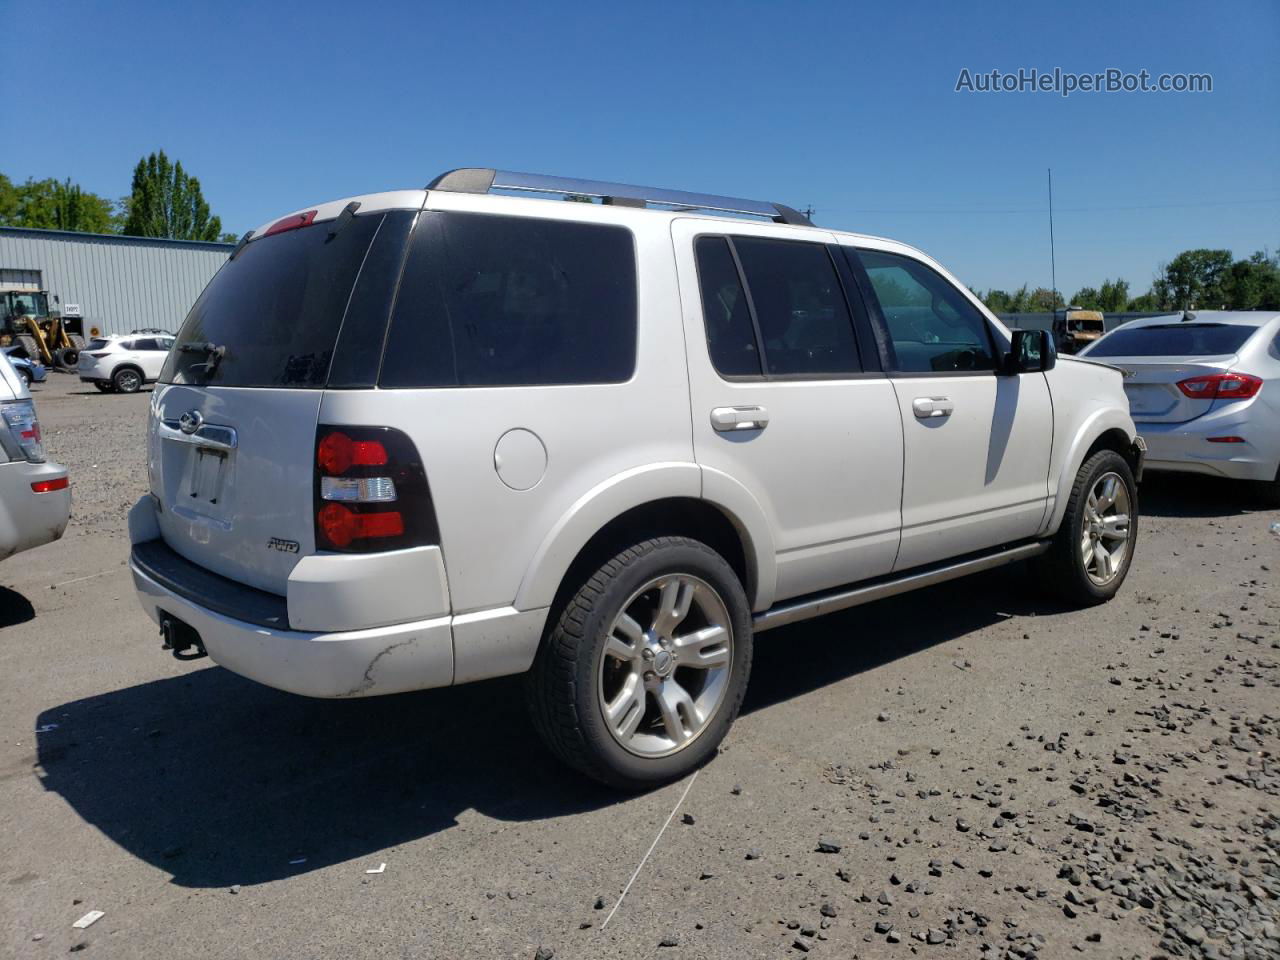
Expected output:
(817, 605)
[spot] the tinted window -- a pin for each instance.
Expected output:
(276, 308)
(1173, 340)
(932, 326)
(799, 306)
(146, 343)
(504, 301)
(731, 337)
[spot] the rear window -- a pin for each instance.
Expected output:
(507, 301)
(277, 309)
(1174, 340)
(98, 344)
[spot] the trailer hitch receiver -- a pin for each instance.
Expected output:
(180, 639)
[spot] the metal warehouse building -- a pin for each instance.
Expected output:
(119, 283)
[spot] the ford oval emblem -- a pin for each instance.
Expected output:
(190, 421)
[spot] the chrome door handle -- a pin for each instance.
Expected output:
(725, 419)
(926, 408)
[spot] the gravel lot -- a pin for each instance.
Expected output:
(967, 771)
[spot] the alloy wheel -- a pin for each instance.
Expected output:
(1105, 529)
(665, 667)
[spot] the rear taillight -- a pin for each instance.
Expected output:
(1221, 386)
(371, 491)
(48, 486)
(21, 439)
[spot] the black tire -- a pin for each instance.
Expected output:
(127, 380)
(30, 349)
(67, 358)
(77, 341)
(563, 689)
(1062, 569)
(1267, 492)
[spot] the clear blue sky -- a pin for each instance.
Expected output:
(849, 107)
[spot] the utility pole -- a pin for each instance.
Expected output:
(1053, 265)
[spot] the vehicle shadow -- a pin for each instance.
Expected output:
(1193, 496)
(14, 608)
(219, 780)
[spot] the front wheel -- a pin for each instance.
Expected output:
(643, 672)
(1093, 549)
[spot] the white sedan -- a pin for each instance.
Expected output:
(1204, 391)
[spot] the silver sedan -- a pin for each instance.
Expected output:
(1204, 391)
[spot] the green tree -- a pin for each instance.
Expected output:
(1043, 300)
(1144, 304)
(53, 205)
(1254, 284)
(166, 201)
(1194, 278)
(1087, 297)
(1113, 296)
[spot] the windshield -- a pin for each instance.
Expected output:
(1174, 340)
(28, 305)
(276, 310)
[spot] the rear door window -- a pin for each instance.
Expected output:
(790, 319)
(1175, 340)
(507, 301)
(799, 306)
(276, 308)
(731, 334)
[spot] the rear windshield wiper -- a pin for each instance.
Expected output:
(212, 351)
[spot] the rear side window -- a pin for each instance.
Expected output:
(931, 325)
(508, 301)
(1174, 340)
(276, 309)
(791, 319)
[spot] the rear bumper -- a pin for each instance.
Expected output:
(252, 632)
(29, 519)
(356, 663)
(1185, 447)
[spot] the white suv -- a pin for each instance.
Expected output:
(428, 437)
(124, 363)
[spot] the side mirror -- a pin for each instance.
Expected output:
(1030, 351)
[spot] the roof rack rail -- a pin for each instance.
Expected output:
(483, 180)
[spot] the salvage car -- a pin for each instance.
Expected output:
(1204, 387)
(427, 437)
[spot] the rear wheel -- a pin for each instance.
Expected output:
(67, 358)
(1093, 549)
(645, 668)
(127, 380)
